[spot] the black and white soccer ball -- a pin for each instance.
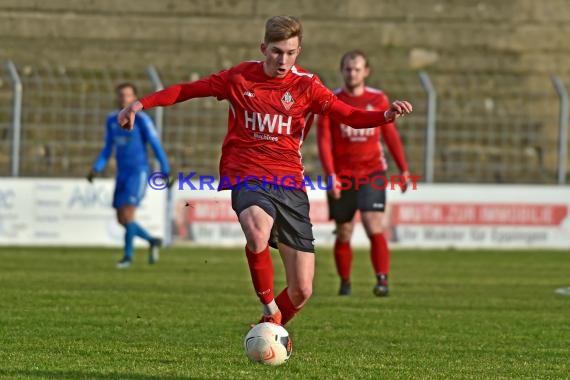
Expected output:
(268, 343)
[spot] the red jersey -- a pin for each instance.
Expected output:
(358, 151)
(268, 120)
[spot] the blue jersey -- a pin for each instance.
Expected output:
(130, 146)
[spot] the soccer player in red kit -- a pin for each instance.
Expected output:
(358, 153)
(271, 106)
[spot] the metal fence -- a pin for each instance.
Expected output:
(6, 111)
(466, 128)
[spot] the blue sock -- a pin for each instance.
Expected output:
(141, 232)
(130, 232)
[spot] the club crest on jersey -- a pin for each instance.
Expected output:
(287, 100)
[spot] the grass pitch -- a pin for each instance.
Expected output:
(68, 314)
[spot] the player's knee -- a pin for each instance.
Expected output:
(373, 223)
(256, 246)
(344, 232)
(256, 237)
(256, 240)
(374, 231)
(301, 293)
(344, 236)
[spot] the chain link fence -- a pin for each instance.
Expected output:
(194, 131)
(496, 129)
(489, 128)
(63, 117)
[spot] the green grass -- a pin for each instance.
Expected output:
(68, 314)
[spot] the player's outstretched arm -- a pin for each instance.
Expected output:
(394, 143)
(167, 97)
(358, 118)
(324, 141)
(103, 156)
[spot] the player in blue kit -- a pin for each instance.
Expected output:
(132, 170)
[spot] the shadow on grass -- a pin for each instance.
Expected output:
(61, 374)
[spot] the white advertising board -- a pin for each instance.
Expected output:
(37, 211)
(461, 216)
(73, 212)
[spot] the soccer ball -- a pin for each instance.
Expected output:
(268, 343)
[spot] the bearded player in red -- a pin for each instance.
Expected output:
(271, 106)
(358, 153)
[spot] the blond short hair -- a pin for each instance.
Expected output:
(281, 28)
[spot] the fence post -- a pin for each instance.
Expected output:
(157, 84)
(562, 128)
(17, 90)
(430, 125)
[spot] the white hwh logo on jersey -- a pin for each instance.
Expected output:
(268, 123)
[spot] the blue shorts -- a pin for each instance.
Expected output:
(130, 188)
